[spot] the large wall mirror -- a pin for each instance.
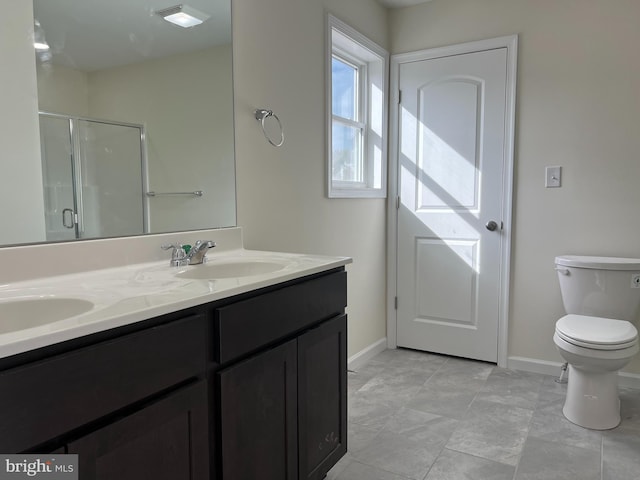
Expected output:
(121, 120)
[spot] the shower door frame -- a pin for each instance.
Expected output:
(76, 165)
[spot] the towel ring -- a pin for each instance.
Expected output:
(261, 115)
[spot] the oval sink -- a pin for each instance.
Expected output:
(21, 314)
(230, 270)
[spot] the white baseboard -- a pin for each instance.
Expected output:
(534, 365)
(629, 379)
(363, 356)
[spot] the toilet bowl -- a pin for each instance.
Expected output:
(596, 337)
(595, 349)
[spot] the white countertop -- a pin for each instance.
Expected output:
(129, 294)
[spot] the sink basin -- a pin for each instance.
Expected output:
(230, 270)
(21, 314)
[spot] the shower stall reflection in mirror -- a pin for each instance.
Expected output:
(94, 174)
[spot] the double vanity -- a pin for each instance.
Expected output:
(233, 369)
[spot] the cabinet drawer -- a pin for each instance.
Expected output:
(44, 399)
(247, 325)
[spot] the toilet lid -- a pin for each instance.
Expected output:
(598, 263)
(596, 332)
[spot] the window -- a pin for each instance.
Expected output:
(356, 131)
(347, 128)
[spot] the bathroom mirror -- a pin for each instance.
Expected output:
(133, 116)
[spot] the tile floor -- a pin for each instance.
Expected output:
(420, 416)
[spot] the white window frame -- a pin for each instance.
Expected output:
(372, 61)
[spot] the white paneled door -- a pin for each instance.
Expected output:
(451, 158)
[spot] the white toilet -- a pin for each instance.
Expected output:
(601, 296)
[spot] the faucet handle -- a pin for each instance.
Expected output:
(201, 244)
(178, 255)
(175, 246)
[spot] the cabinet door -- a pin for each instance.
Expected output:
(258, 417)
(322, 397)
(167, 440)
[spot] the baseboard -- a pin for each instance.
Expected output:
(363, 356)
(534, 365)
(629, 379)
(545, 367)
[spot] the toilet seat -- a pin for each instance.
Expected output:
(596, 333)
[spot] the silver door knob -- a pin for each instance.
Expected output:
(491, 225)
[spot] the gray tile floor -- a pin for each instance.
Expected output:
(420, 416)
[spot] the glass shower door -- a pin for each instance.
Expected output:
(57, 174)
(93, 175)
(112, 179)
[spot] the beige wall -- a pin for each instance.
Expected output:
(63, 90)
(185, 103)
(578, 106)
(282, 204)
(21, 194)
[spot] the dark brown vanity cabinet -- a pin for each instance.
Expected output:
(283, 407)
(322, 398)
(250, 387)
(258, 416)
(167, 439)
(127, 405)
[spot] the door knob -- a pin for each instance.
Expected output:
(491, 225)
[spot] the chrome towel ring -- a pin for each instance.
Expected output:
(261, 115)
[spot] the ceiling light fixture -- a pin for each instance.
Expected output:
(183, 16)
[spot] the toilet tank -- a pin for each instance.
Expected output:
(600, 286)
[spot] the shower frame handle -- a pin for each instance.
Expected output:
(72, 216)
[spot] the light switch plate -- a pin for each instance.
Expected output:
(553, 177)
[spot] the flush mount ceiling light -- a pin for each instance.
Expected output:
(183, 15)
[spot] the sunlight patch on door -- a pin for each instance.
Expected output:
(449, 128)
(446, 280)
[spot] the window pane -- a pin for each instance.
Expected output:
(347, 153)
(345, 89)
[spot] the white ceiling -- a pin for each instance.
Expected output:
(401, 3)
(95, 34)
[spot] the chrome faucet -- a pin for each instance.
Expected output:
(183, 255)
(178, 254)
(197, 253)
